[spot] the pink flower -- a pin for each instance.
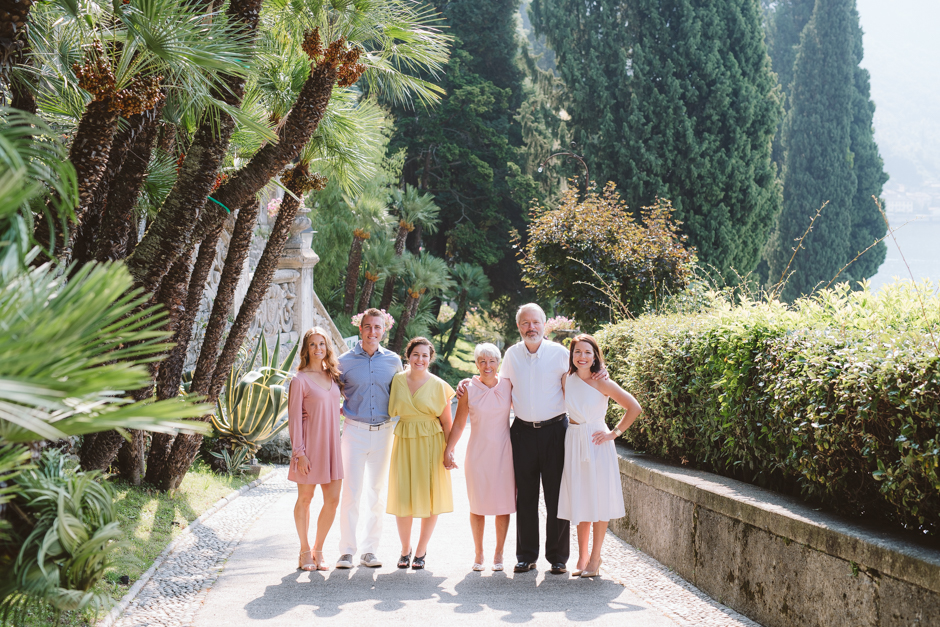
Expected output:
(273, 206)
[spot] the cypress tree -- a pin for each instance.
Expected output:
(868, 224)
(676, 99)
(830, 157)
(466, 150)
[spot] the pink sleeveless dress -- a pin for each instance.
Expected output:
(491, 484)
(313, 424)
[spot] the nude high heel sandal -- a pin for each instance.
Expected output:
(307, 565)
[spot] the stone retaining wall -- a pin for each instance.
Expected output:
(771, 557)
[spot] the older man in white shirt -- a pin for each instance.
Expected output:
(536, 366)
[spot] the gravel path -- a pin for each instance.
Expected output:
(238, 566)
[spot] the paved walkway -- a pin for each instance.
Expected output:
(258, 584)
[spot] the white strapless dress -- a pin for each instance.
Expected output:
(590, 484)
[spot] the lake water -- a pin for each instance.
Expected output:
(920, 242)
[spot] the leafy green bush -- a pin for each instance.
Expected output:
(836, 399)
(65, 546)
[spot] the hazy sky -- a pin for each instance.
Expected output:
(902, 53)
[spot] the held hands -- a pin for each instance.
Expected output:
(303, 465)
(449, 462)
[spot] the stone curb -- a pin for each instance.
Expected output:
(790, 518)
(126, 600)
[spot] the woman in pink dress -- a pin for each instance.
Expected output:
(313, 422)
(491, 484)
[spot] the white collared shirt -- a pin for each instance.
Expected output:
(536, 379)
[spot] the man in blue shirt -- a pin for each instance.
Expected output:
(366, 443)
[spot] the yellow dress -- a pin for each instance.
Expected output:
(418, 483)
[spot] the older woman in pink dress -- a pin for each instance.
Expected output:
(313, 423)
(491, 485)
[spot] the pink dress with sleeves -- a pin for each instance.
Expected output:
(313, 423)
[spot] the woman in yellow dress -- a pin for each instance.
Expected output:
(418, 483)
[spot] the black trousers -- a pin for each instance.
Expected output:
(539, 454)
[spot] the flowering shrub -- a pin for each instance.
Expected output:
(479, 326)
(834, 400)
(389, 320)
(600, 260)
(274, 205)
(559, 323)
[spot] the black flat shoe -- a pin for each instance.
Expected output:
(523, 567)
(559, 568)
(405, 560)
(418, 564)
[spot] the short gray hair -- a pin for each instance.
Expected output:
(486, 350)
(529, 307)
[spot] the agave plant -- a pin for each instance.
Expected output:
(252, 407)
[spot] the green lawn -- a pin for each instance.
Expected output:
(150, 520)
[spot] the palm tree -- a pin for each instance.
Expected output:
(380, 260)
(370, 216)
(472, 287)
(426, 273)
(414, 209)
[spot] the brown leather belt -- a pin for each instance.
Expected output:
(541, 423)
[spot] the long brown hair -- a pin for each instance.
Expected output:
(330, 362)
(598, 354)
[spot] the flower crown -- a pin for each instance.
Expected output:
(389, 320)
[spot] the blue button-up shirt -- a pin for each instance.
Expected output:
(367, 381)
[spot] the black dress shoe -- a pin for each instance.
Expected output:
(523, 567)
(559, 569)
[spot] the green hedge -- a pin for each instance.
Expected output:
(836, 399)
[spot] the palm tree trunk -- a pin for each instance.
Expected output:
(388, 292)
(117, 223)
(367, 288)
(13, 37)
(89, 154)
(405, 319)
(170, 234)
(459, 315)
(171, 368)
(352, 269)
(238, 247)
(21, 96)
(85, 241)
(299, 182)
(98, 453)
(130, 459)
(403, 229)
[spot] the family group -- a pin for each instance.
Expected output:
(536, 417)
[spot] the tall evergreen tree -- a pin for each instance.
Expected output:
(831, 157)
(466, 151)
(676, 99)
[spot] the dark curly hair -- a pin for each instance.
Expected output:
(419, 341)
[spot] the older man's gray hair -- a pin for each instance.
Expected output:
(486, 350)
(530, 307)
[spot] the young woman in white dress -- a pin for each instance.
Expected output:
(591, 494)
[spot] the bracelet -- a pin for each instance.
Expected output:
(617, 432)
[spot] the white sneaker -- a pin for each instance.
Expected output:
(370, 560)
(344, 561)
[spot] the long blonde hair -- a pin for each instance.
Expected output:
(330, 362)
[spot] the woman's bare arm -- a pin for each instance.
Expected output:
(456, 430)
(624, 399)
